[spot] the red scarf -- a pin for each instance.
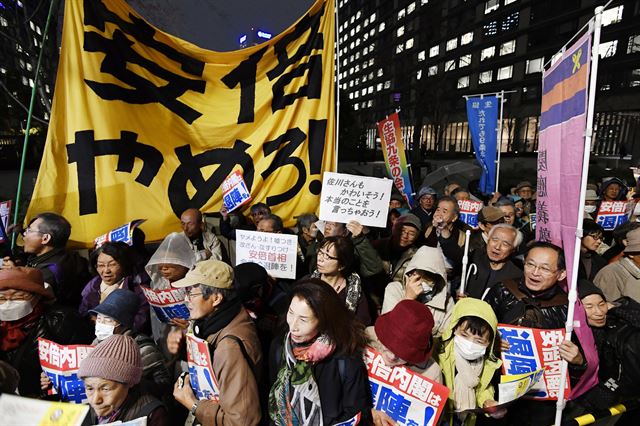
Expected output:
(12, 333)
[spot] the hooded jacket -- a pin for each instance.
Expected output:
(428, 259)
(622, 195)
(446, 358)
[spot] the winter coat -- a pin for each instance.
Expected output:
(59, 324)
(430, 369)
(237, 380)
(428, 259)
(425, 216)
(393, 267)
(484, 277)
(593, 262)
(91, 298)
(209, 242)
(138, 405)
(452, 247)
(619, 279)
(446, 357)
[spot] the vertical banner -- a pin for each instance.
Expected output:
(395, 157)
(143, 121)
(563, 122)
(482, 114)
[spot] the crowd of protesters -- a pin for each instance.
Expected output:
(290, 352)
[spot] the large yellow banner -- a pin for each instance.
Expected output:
(145, 125)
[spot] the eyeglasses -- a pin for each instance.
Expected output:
(189, 293)
(16, 296)
(27, 231)
(595, 236)
(542, 270)
(326, 255)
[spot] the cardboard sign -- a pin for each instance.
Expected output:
(348, 197)
(17, 410)
(61, 364)
(167, 304)
(122, 233)
(533, 349)
(469, 210)
(612, 214)
(234, 191)
(203, 380)
(275, 252)
(5, 217)
(407, 397)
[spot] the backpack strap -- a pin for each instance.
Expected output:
(243, 349)
(149, 407)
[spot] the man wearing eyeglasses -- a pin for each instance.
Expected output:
(44, 243)
(537, 301)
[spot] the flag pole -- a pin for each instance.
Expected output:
(337, 54)
(25, 143)
(499, 138)
(588, 136)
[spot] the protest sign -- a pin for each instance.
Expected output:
(275, 252)
(407, 397)
(61, 364)
(532, 221)
(469, 210)
(349, 197)
(168, 304)
(533, 349)
(234, 191)
(140, 421)
(28, 411)
(395, 157)
(122, 233)
(512, 387)
(351, 422)
(5, 217)
(611, 214)
(203, 380)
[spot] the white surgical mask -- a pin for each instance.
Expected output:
(467, 349)
(589, 209)
(103, 331)
(13, 310)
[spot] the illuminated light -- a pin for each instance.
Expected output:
(264, 35)
(243, 39)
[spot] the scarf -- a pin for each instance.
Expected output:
(215, 322)
(106, 289)
(465, 381)
(13, 333)
(294, 398)
(353, 288)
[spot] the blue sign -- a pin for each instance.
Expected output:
(482, 114)
(264, 35)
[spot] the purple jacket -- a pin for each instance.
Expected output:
(91, 298)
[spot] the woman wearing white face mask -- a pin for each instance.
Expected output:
(27, 312)
(467, 360)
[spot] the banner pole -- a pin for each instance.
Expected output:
(593, 77)
(499, 139)
(25, 143)
(337, 53)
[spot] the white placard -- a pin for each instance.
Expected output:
(349, 197)
(17, 410)
(275, 252)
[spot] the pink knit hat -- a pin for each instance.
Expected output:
(116, 358)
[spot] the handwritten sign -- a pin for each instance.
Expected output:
(469, 210)
(122, 233)
(532, 349)
(168, 304)
(234, 191)
(203, 380)
(349, 197)
(61, 364)
(275, 252)
(612, 214)
(407, 397)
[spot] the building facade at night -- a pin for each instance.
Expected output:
(423, 56)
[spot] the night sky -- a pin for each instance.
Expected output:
(218, 24)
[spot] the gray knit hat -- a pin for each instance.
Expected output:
(116, 358)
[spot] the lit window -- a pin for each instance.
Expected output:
(370, 76)
(358, 28)
(400, 48)
(373, 17)
(419, 75)
(411, 8)
(4, 22)
(434, 51)
(466, 38)
(3, 71)
(358, 15)
(33, 27)
(612, 16)
(29, 67)
(534, 65)
(401, 14)
(608, 49)
(370, 103)
(489, 52)
(507, 48)
(352, 45)
(370, 90)
(357, 94)
(379, 87)
(400, 31)
(365, 37)
(22, 65)
(511, 21)
(352, 20)
(505, 73)
(366, 22)
(433, 70)
(387, 84)
(358, 42)
(491, 28)
(351, 83)
(485, 77)
(465, 60)
(372, 32)
(491, 5)
(423, 2)
(357, 55)
(506, 2)
(356, 107)
(449, 65)
(380, 72)
(25, 81)
(463, 82)
(422, 56)
(634, 44)
(452, 44)
(409, 44)
(370, 61)
(381, 27)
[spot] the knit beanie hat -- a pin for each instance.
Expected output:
(409, 219)
(587, 288)
(116, 358)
